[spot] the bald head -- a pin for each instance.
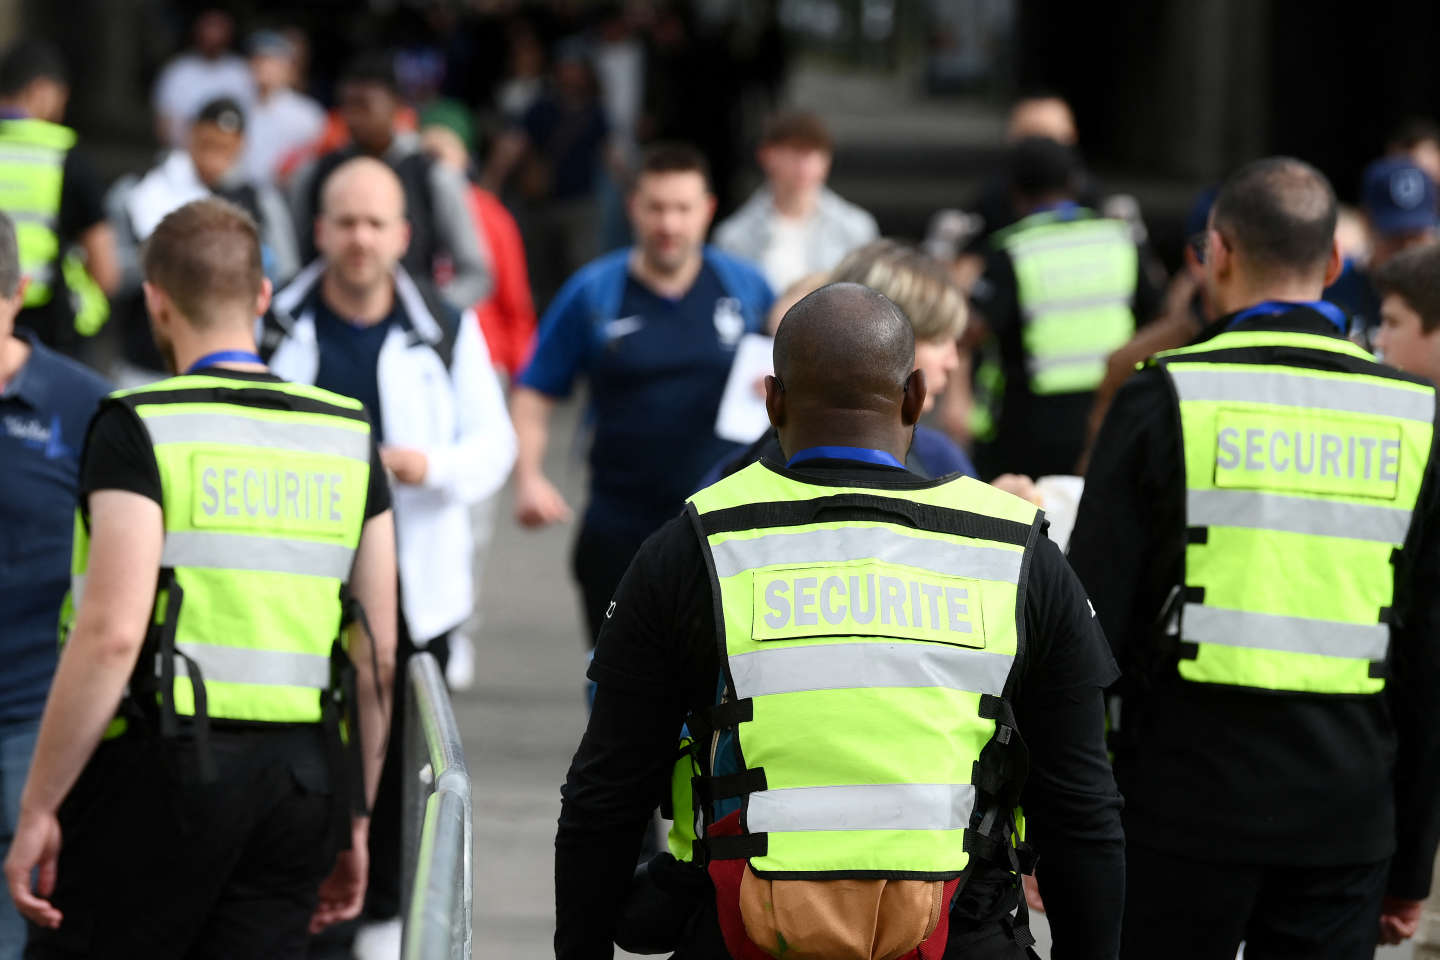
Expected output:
(1048, 117)
(363, 181)
(361, 229)
(1278, 215)
(844, 348)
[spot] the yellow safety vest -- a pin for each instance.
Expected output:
(264, 488)
(1075, 280)
(870, 636)
(1304, 459)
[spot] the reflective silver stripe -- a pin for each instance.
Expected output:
(48, 220)
(32, 155)
(42, 273)
(235, 551)
(1268, 631)
(947, 558)
(1042, 364)
(1070, 239)
(77, 589)
(847, 666)
(1199, 384)
(271, 668)
(884, 806)
(1037, 309)
(255, 432)
(1275, 511)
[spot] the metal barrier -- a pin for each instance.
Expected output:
(438, 878)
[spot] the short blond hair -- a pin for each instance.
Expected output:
(918, 284)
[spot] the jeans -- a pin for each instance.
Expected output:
(17, 744)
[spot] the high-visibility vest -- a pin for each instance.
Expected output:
(1303, 462)
(264, 489)
(870, 639)
(32, 172)
(1075, 281)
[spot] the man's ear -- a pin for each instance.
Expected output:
(775, 401)
(156, 303)
(262, 299)
(1335, 264)
(913, 401)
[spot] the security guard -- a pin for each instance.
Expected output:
(1257, 523)
(1062, 290)
(867, 662)
(67, 249)
(209, 691)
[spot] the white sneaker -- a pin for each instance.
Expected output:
(378, 940)
(460, 670)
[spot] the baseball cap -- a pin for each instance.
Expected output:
(270, 43)
(1399, 197)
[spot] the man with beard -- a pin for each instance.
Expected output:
(357, 323)
(654, 330)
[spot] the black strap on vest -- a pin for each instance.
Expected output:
(155, 674)
(865, 506)
(741, 847)
(703, 724)
(710, 790)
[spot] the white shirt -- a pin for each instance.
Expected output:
(787, 257)
(275, 128)
(190, 81)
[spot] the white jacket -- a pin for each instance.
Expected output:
(456, 415)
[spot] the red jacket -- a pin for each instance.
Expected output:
(507, 316)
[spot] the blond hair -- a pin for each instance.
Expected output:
(917, 283)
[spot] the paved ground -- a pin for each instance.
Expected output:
(523, 719)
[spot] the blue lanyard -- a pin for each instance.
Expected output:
(1331, 312)
(863, 454)
(224, 356)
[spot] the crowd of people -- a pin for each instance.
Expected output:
(404, 236)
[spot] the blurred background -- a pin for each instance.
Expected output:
(1167, 94)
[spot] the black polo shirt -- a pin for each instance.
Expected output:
(656, 661)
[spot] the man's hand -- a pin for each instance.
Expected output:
(408, 464)
(1021, 486)
(538, 503)
(1399, 919)
(36, 845)
(1032, 893)
(342, 895)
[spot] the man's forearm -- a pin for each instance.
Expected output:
(372, 651)
(530, 413)
(83, 700)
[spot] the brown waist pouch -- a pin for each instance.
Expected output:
(839, 919)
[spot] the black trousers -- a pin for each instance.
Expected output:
(1182, 909)
(155, 864)
(599, 559)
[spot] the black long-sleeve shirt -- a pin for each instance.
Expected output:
(1236, 775)
(656, 660)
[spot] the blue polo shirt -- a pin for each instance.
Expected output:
(350, 357)
(656, 369)
(44, 412)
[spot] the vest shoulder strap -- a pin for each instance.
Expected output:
(38, 132)
(279, 394)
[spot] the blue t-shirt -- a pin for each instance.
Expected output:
(44, 412)
(350, 357)
(656, 368)
(939, 456)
